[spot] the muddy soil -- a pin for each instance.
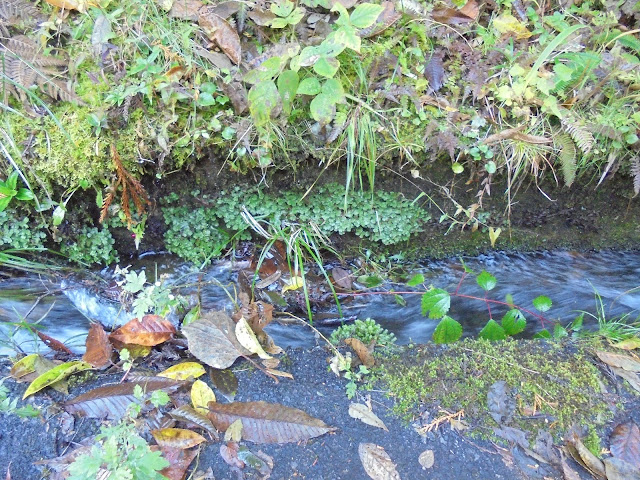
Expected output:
(330, 457)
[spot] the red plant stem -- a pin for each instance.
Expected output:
(542, 319)
(486, 300)
(460, 283)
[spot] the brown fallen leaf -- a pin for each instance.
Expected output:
(621, 361)
(221, 32)
(226, 382)
(342, 278)
(112, 401)
(618, 469)
(426, 459)
(434, 72)
(179, 438)
(53, 344)
(387, 17)
(185, 9)
(268, 422)
(179, 461)
(625, 443)
(99, 349)
(188, 414)
(148, 332)
(363, 352)
(377, 462)
(212, 339)
(229, 454)
(568, 472)
(583, 455)
(630, 377)
(365, 415)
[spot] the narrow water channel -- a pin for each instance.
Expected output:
(64, 307)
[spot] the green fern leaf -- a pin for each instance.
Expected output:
(566, 157)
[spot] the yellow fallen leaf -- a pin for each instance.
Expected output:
(294, 284)
(248, 339)
(201, 395)
(234, 432)
(179, 438)
(628, 344)
(493, 235)
(183, 371)
(507, 23)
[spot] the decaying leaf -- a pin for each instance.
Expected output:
(363, 352)
(183, 371)
(248, 339)
(268, 422)
(618, 360)
(617, 469)
(53, 344)
(365, 415)
(500, 403)
(201, 395)
(221, 32)
(568, 472)
(377, 463)
(150, 331)
(99, 349)
(229, 454)
(24, 366)
(179, 438)
(179, 461)
(426, 459)
(32, 366)
(212, 339)
(342, 278)
(234, 432)
(583, 455)
(187, 414)
(111, 401)
(625, 443)
(628, 344)
(57, 373)
(630, 377)
(226, 382)
(434, 72)
(185, 9)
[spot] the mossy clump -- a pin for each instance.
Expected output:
(92, 245)
(20, 232)
(367, 331)
(561, 385)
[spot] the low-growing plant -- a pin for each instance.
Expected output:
(92, 245)
(9, 406)
(367, 331)
(20, 232)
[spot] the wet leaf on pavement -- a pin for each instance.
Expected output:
(248, 339)
(268, 422)
(363, 352)
(57, 373)
(179, 438)
(377, 462)
(584, 457)
(212, 339)
(179, 461)
(183, 371)
(226, 382)
(501, 405)
(365, 415)
(201, 395)
(625, 443)
(187, 414)
(426, 459)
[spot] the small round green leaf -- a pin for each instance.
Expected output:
(309, 86)
(322, 108)
(490, 167)
(326, 66)
(486, 280)
(457, 168)
(447, 331)
(542, 303)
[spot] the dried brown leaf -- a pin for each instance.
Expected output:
(342, 278)
(426, 459)
(221, 32)
(625, 443)
(151, 330)
(365, 415)
(99, 349)
(621, 361)
(630, 377)
(584, 456)
(178, 438)
(268, 422)
(377, 462)
(212, 339)
(434, 72)
(363, 352)
(617, 469)
(53, 344)
(185, 9)
(179, 461)
(187, 414)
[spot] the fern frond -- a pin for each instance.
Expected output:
(635, 171)
(12, 11)
(566, 156)
(583, 138)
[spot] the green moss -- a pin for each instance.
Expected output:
(19, 231)
(563, 386)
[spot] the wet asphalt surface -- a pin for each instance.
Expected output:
(315, 390)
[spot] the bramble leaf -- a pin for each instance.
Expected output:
(492, 331)
(447, 331)
(513, 322)
(542, 303)
(486, 280)
(436, 302)
(417, 279)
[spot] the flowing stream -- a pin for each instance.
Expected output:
(64, 307)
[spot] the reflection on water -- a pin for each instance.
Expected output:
(63, 308)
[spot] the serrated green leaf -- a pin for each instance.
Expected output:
(436, 302)
(544, 333)
(417, 279)
(322, 108)
(559, 331)
(542, 303)
(447, 331)
(365, 15)
(513, 322)
(309, 86)
(492, 331)
(486, 280)
(54, 375)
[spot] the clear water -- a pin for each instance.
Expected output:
(65, 306)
